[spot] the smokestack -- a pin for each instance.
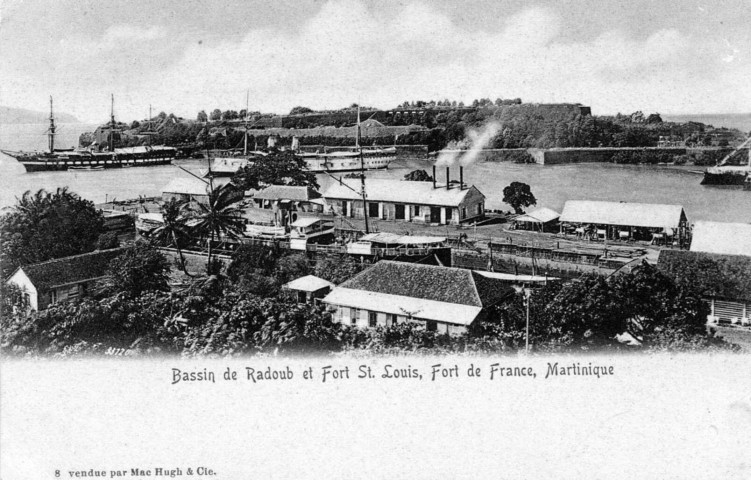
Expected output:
(447, 178)
(433, 176)
(461, 178)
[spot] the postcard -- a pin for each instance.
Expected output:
(357, 239)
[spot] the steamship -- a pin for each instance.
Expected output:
(83, 159)
(355, 158)
(724, 174)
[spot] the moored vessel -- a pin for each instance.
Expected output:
(90, 159)
(724, 174)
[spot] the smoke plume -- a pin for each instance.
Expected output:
(465, 151)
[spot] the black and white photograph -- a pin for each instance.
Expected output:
(375, 239)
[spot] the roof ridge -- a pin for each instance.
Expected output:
(69, 257)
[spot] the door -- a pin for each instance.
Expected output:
(344, 208)
(399, 212)
(435, 214)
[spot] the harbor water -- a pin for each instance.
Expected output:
(551, 184)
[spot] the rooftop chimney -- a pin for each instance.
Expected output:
(448, 179)
(433, 176)
(461, 178)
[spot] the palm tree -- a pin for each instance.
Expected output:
(220, 216)
(174, 229)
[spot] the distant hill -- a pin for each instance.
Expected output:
(20, 115)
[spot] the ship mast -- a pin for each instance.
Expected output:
(245, 137)
(51, 134)
(112, 125)
(362, 173)
(150, 126)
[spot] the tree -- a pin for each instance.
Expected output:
(418, 176)
(202, 117)
(281, 168)
(134, 124)
(337, 269)
(229, 115)
(300, 110)
(518, 195)
(173, 230)
(585, 313)
(220, 216)
(141, 268)
(47, 225)
(216, 115)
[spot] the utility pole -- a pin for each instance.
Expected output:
(362, 174)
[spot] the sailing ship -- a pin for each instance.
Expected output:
(90, 159)
(724, 174)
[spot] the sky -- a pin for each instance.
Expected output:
(183, 56)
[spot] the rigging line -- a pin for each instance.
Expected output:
(191, 173)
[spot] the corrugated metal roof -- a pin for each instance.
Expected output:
(723, 238)
(399, 191)
(541, 215)
(394, 239)
(621, 213)
(403, 305)
(309, 283)
(287, 192)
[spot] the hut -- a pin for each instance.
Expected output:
(191, 189)
(309, 289)
(541, 220)
(658, 223)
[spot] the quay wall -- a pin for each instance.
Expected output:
(556, 156)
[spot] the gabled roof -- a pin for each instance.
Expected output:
(69, 270)
(723, 238)
(287, 192)
(429, 282)
(399, 191)
(711, 274)
(541, 215)
(621, 213)
(309, 283)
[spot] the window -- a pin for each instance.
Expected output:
(353, 314)
(53, 296)
(449, 214)
(302, 297)
(372, 319)
(463, 212)
(391, 319)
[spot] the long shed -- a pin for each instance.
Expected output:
(407, 201)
